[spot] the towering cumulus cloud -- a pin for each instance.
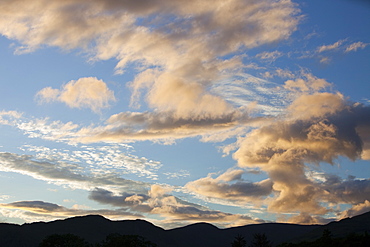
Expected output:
(330, 128)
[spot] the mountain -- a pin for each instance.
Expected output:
(95, 228)
(357, 224)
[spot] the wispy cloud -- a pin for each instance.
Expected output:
(330, 47)
(269, 56)
(355, 46)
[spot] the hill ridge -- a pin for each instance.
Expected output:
(94, 228)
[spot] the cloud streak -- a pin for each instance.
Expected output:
(31, 210)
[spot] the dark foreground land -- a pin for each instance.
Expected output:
(94, 229)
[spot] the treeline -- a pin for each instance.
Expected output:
(259, 240)
(326, 240)
(112, 240)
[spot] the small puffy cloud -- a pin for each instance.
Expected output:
(307, 83)
(330, 47)
(87, 92)
(355, 46)
(9, 117)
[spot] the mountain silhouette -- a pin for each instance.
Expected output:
(94, 229)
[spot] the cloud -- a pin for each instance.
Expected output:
(305, 218)
(357, 209)
(40, 210)
(87, 92)
(285, 149)
(307, 83)
(127, 200)
(355, 46)
(173, 209)
(165, 126)
(181, 57)
(100, 157)
(65, 173)
(269, 56)
(350, 191)
(330, 47)
(230, 186)
(4, 197)
(317, 105)
(9, 117)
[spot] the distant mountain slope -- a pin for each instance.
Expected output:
(357, 224)
(95, 228)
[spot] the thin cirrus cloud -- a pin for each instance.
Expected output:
(88, 92)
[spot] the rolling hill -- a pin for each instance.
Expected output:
(95, 228)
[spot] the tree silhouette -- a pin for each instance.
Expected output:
(119, 240)
(63, 240)
(239, 241)
(260, 240)
(326, 239)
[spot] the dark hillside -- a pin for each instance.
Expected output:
(95, 228)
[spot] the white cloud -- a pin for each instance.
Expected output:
(355, 46)
(87, 92)
(330, 47)
(269, 56)
(306, 83)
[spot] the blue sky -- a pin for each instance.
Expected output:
(177, 112)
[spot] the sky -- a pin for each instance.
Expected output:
(228, 112)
